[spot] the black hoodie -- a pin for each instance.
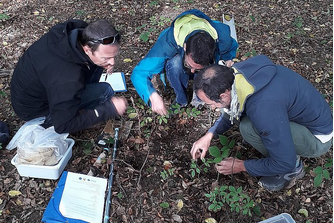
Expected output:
(50, 78)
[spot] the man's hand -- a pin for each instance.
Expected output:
(157, 104)
(201, 146)
(120, 104)
(229, 63)
(230, 166)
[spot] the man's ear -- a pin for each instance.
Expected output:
(184, 47)
(87, 50)
(225, 95)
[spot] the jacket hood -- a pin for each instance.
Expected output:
(252, 75)
(258, 71)
(66, 35)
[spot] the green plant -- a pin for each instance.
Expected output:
(192, 112)
(194, 168)
(251, 53)
(237, 200)
(322, 173)
(164, 205)
(163, 118)
(167, 173)
(87, 146)
(3, 94)
(4, 17)
(220, 153)
(120, 195)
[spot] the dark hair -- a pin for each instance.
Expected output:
(214, 81)
(201, 47)
(97, 30)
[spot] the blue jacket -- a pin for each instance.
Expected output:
(167, 46)
(271, 96)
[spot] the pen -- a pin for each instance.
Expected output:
(106, 77)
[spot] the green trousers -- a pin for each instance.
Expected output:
(306, 144)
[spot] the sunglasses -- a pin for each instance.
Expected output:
(108, 40)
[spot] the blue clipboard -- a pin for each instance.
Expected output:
(52, 213)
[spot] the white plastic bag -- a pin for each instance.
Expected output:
(37, 145)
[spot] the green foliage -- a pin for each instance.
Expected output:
(237, 200)
(192, 112)
(167, 173)
(87, 146)
(153, 3)
(163, 118)
(176, 109)
(164, 205)
(80, 12)
(154, 21)
(146, 121)
(4, 17)
(195, 168)
(322, 173)
(120, 195)
(221, 153)
(251, 53)
(3, 94)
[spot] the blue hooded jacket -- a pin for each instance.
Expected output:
(271, 96)
(167, 46)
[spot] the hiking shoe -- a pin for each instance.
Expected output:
(275, 183)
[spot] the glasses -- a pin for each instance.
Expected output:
(189, 67)
(108, 40)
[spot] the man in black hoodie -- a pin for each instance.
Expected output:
(58, 77)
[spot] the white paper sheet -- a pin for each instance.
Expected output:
(116, 81)
(83, 197)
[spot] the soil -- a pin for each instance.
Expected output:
(296, 34)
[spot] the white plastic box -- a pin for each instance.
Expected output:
(45, 172)
(282, 218)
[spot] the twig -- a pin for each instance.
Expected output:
(134, 106)
(148, 152)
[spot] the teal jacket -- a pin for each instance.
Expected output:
(170, 42)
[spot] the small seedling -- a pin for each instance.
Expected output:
(120, 195)
(163, 118)
(194, 168)
(167, 173)
(220, 153)
(164, 205)
(234, 197)
(322, 173)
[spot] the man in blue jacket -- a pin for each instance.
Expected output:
(58, 77)
(192, 42)
(280, 113)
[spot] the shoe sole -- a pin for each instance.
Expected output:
(293, 181)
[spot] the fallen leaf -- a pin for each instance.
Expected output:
(14, 193)
(176, 218)
(127, 60)
(210, 220)
(303, 212)
(179, 205)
